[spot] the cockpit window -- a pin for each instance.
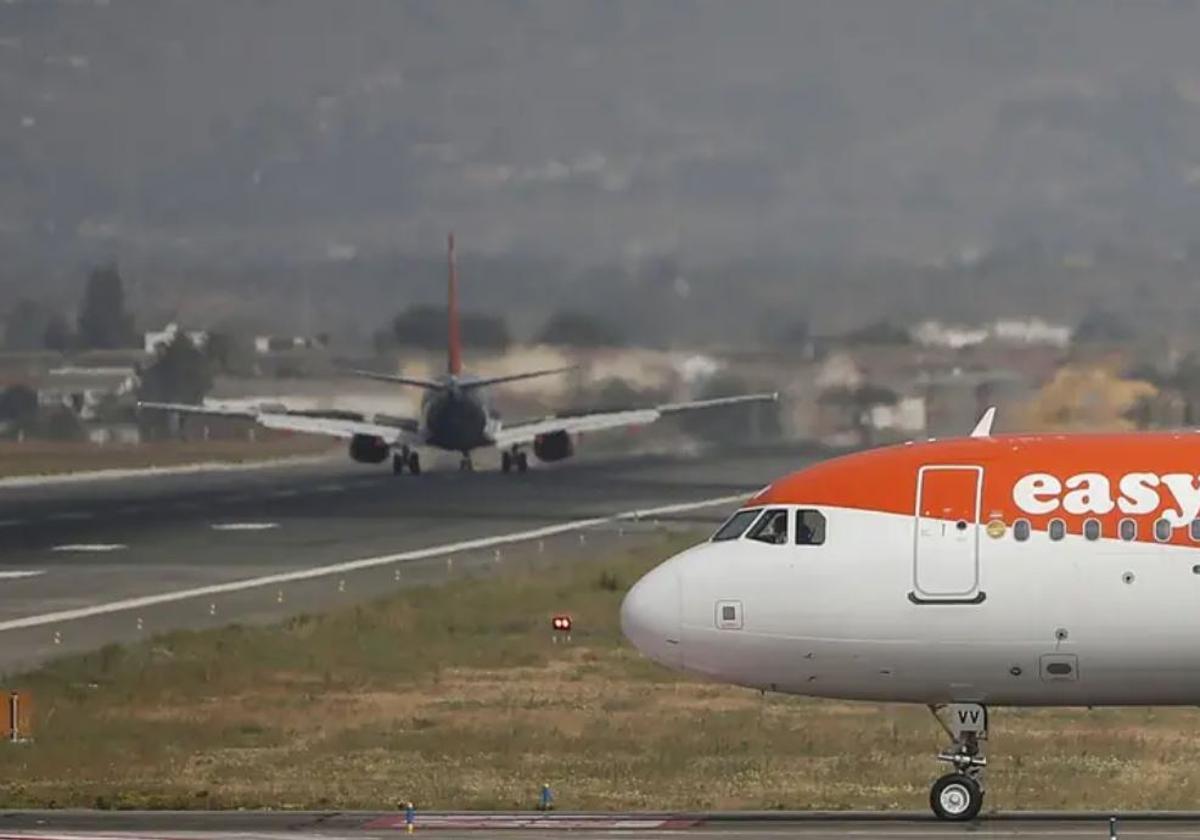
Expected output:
(736, 525)
(810, 527)
(771, 528)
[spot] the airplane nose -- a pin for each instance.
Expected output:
(650, 615)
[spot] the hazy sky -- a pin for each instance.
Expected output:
(918, 130)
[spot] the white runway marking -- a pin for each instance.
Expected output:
(357, 565)
(95, 547)
(559, 822)
(151, 472)
(244, 526)
(70, 516)
(15, 574)
(128, 509)
(10, 523)
(285, 494)
(329, 488)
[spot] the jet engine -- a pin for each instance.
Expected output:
(368, 449)
(553, 447)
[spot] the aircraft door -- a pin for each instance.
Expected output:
(946, 553)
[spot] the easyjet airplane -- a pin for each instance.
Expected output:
(993, 570)
(456, 414)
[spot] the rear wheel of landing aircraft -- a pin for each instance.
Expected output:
(397, 464)
(522, 462)
(506, 462)
(414, 463)
(956, 797)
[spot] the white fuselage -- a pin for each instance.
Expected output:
(1069, 622)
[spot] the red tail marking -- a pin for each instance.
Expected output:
(454, 339)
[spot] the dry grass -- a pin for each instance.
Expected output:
(455, 697)
(49, 458)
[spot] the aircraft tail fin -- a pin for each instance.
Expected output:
(453, 336)
(984, 427)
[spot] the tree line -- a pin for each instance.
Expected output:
(103, 323)
(424, 327)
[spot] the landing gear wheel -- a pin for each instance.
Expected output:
(506, 462)
(414, 463)
(398, 463)
(465, 465)
(522, 462)
(956, 797)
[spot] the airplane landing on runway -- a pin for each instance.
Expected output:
(456, 414)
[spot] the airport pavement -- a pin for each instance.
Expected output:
(752, 826)
(83, 564)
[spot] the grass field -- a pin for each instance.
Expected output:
(455, 697)
(53, 457)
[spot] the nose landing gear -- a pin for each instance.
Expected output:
(958, 796)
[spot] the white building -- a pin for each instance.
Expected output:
(84, 389)
(937, 334)
(1032, 331)
(907, 415)
(155, 340)
(264, 344)
(1029, 331)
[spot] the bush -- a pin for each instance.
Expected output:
(608, 582)
(62, 424)
(575, 329)
(19, 407)
(425, 327)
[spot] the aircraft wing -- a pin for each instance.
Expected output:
(525, 432)
(212, 410)
(332, 424)
(336, 427)
(717, 402)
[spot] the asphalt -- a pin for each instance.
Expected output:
(87, 563)
(760, 826)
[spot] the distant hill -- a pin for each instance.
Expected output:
(917, 130)
(690, 170)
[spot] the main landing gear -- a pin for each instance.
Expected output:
(406, 458)
(516, 458)
(958, 796)
(466, 464)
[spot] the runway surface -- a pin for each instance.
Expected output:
(83, 564)
(764, 826)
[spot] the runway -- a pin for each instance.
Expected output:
(83, 564)
(81, 825)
